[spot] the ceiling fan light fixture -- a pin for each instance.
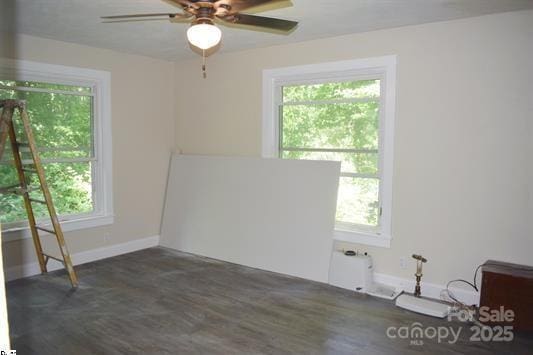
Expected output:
(204, 35)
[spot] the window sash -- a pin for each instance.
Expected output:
(48, 91)
(280, 104)
(23, 223)
(91, 94)
(382, 68)
(58, 149)
(99, 82)
(45, 221)
(7, 153)
(51, 161)
(329, 150)
(91, 158)
(377, 176)
(354, 100)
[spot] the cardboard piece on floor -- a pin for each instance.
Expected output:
(271, 214)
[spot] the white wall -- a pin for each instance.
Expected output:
(463, 147)
(143, 138)
(463, 151)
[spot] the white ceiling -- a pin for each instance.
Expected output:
(79, 21)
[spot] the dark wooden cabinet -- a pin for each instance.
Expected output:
(510, 286)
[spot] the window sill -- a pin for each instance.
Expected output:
(10, 235)
(362, 238)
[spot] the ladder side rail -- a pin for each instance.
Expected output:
(4, 130)
(23, 185)
(47, 196)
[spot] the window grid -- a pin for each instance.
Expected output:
(87, 93)
(282, 148)
(89, 159)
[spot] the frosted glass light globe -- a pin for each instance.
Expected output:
(204, 35)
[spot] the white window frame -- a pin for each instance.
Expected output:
(102, 179)
(382, 67)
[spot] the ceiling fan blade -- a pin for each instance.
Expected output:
(185, 3)
(174, 15)
(142, 19)
(261, 21)
(241, 5)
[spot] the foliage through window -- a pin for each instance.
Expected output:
(338, 121)
(62, 122)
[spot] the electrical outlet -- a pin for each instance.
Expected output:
(403, 262)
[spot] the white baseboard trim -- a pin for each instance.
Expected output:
(430, 290)
(25, 270)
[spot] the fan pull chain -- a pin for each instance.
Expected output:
(204, 72)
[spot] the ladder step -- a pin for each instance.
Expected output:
(8, 189)
(45, 230)
(26, 170)
(53, 257)
(18, 190)
(28, 189)
(38, 201)
(23, 144)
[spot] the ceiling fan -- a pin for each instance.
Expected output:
(203, 13)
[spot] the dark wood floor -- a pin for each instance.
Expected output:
(159, 301)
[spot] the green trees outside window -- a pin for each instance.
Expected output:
(338, 121)
(62, 121)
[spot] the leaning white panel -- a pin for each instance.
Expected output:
(271, 214)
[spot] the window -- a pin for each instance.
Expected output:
(344, 112)
(69, 114)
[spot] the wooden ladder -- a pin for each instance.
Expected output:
(7, 129)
